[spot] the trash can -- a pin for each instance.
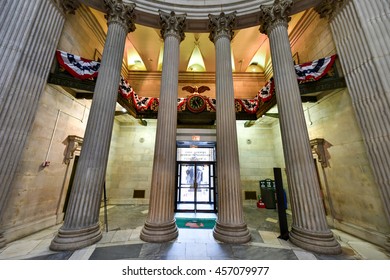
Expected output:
(267, 191)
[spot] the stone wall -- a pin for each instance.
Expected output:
(351, 196)
(130, 161)
(146, 84)
(38, 192)
(256, 151)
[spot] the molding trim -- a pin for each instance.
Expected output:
(92, 23)
(307, 19)
(197, 11)
(374, 237)
(20, 231)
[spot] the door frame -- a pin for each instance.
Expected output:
(211, 187)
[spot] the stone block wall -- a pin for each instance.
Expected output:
(256, 154)
(130, 161)
(246, 85)
(351, 195)
(38, 192)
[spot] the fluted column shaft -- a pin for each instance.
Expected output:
(29, 34)
(230, 226)
(309, 228)
(81, 225)
(361, 30)
(160, 225)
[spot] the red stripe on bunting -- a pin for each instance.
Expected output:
(81, 68)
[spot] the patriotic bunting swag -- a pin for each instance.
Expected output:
(266, 93)
(78, 67)
(82, 68)
(145, 103)
(315, 70)
(125, 89)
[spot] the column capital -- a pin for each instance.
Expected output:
(172, 24)
(274, 14)
(120, 13)
(221, 25)
(329, 8)
(67, 6)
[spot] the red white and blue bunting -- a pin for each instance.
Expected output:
(314, 70)
(211, 104)
(306, 72)
(266, 93)
(181, 104)
(77, 66)
(144, 103)
(82, 68)
(250, 106)
(125, 88)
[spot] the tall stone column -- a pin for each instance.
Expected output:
(29, 34)
(81, 225)
(309, 227)
(160, 225)
(361, 32)
(230, 226)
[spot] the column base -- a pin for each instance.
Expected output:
(74, 239)
(2, 241)
(159, 233)
(387, 243)
(235, 234)
(317, 242)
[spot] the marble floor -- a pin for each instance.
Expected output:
(121, 242)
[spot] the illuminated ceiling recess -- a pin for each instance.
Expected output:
(134, 60)
(196, 62)
(250, 48)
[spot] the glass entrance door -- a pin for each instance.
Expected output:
(195, 187)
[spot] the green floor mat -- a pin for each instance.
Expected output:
(201, 223)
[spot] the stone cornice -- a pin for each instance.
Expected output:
(190, 77)
(120, 13)
(92, 23)
(304, 23)
(172, 24)
(67, 6)
(275, 14)
(221, 25)
(329, 8)
(146, 11)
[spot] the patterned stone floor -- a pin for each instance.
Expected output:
(121, 242)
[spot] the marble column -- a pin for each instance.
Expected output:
(230, 226)
(160, 225)
(309, 227)
(29, 34)
(81, 226)
(361, 33)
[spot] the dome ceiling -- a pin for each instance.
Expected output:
(250, 48)
(197, 11)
